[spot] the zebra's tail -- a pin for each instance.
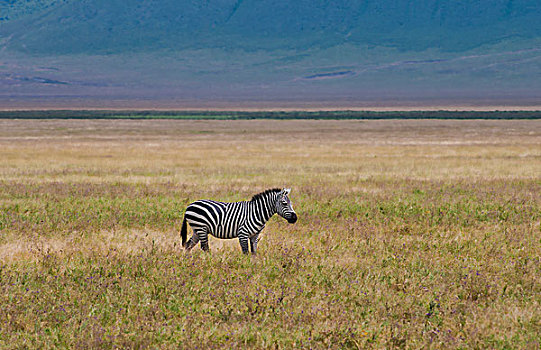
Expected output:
(184, 232)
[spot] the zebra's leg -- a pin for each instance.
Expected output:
(253, 242)
(204, 239)
(243, 240)
(192, 241)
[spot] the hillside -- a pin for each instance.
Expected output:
(92, 26)
(244, 50)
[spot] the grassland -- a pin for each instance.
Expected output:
(411, 234)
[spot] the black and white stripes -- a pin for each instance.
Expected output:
(244, 220)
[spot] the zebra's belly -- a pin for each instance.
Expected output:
(225, 232)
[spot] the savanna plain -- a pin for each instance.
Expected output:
(411, 234)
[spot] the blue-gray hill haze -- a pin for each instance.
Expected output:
(178, 52)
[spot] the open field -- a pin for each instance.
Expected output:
(411, 234)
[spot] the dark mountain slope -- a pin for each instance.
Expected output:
(271, 50)
(90, 26)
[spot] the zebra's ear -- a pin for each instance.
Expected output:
(286, 191)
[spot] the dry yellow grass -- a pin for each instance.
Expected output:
(411, 234)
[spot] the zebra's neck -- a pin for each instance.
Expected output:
(264, 207)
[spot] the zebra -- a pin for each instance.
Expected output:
(244, 220)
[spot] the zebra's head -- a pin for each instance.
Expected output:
(284, 208)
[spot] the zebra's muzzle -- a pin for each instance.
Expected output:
(292, 218)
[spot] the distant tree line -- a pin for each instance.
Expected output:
(152, 114)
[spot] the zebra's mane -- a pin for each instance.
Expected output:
(263, 194)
